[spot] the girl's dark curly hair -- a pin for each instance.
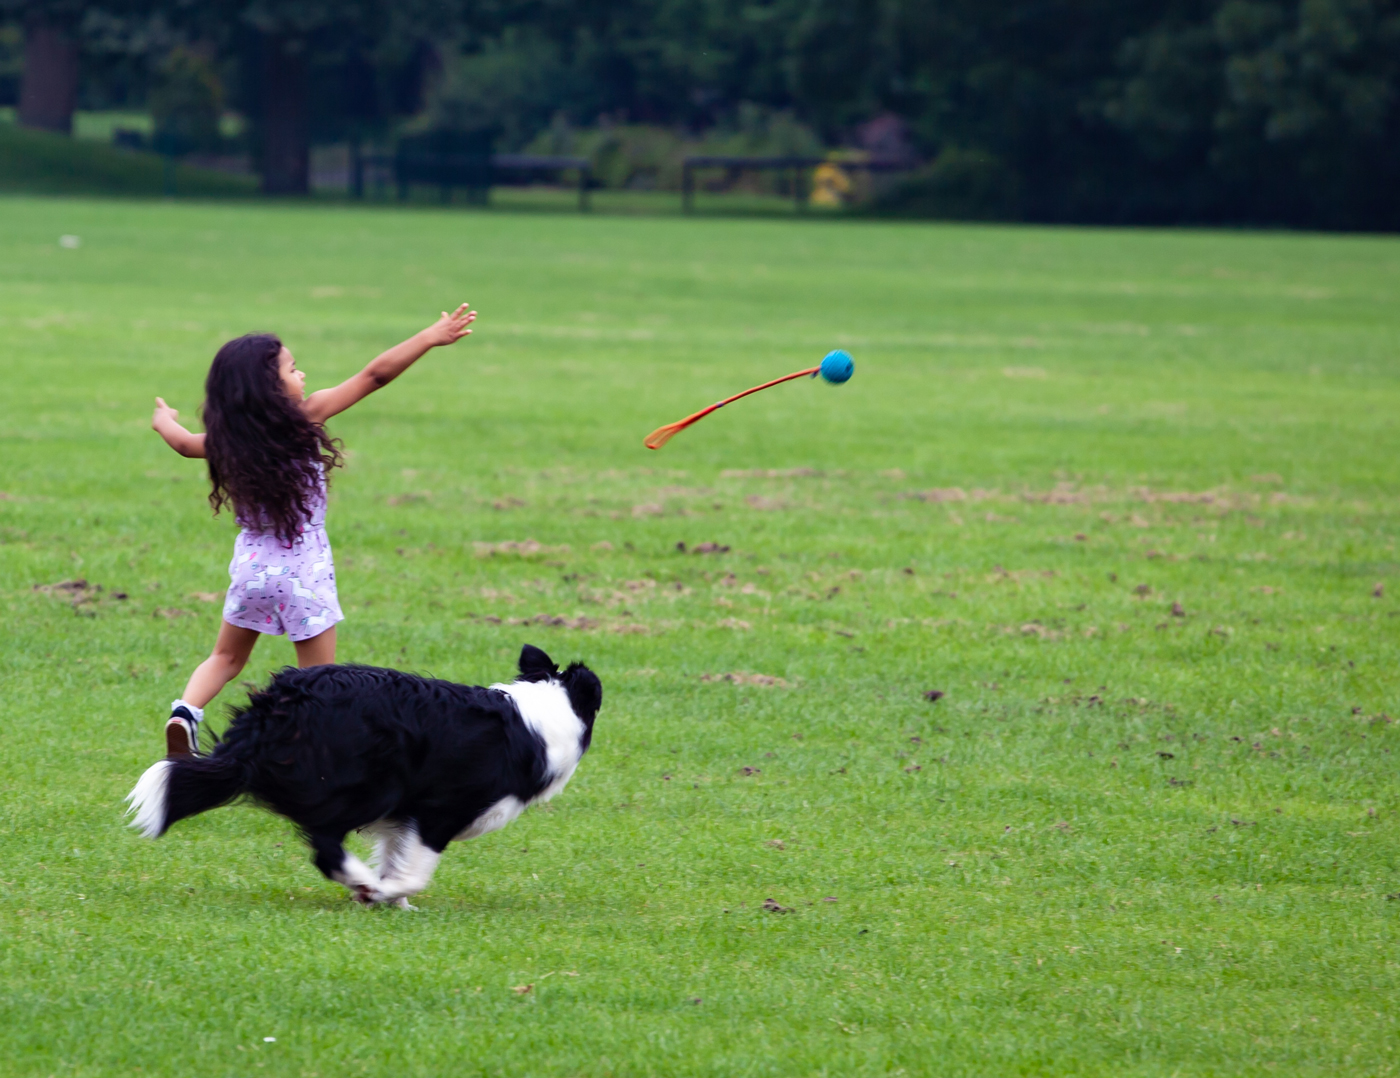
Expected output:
(265, 457)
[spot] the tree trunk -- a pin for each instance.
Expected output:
(49, 90)
(286, 156)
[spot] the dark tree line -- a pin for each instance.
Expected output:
(299, 69)
(1250, 111)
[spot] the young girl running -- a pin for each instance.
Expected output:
(269, 457)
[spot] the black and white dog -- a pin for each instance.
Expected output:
(417, 762)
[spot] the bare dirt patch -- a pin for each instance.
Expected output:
(80, 594)
(525, 548)
(950, 494)
(742, 677)
(770, 473)
(558, 621)
(702, 548)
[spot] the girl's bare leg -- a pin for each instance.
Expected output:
(225, 662)
(318, 651)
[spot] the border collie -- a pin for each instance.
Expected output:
(415, 761)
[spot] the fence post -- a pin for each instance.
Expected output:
(585, 175)
(687, 188)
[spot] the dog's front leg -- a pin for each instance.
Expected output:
(388, 856)
(393, 852)
(345, 868)
(410, 869)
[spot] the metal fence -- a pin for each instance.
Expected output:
(449, 169)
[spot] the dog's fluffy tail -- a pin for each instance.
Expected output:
(185, 786)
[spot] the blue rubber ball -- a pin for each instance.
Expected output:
(838, 366)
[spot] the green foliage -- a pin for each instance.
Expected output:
(1224, 110)
(43, 163)
(755, 130)
(186, 103)
(970, 185)
(1066, 866)
(11, 62)
(650, 157)
(1271, 110)
(512, 87)
(634, 156)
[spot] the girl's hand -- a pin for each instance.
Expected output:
(162, 413)
(166, 423)
(384, 368)
(450, 328)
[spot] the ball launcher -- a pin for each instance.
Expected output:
(836, 367)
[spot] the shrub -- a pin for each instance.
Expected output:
(960, 184)
(649, 156)
(509, 87)
(186, 103)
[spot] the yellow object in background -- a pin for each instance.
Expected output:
(831, 185)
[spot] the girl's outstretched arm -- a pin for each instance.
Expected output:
(383, 369)
(165, 423)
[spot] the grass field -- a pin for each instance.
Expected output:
(1127, 499)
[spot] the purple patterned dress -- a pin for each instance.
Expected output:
(277, 588)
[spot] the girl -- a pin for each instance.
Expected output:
(269, 455)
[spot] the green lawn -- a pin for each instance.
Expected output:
(1128, 499)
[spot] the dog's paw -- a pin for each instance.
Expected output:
(365, 895)
(403, 903)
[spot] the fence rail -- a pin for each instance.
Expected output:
(475, 172)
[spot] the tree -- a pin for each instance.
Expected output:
(62, 38)
(1270, 112)
(49, 86)
(284, 44)
(185, 102)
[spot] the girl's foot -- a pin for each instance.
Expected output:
(182, 729)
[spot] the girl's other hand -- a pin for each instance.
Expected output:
(163, 412)
(451, 328)
(166, 423)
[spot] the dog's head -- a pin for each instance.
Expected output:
(582, 684)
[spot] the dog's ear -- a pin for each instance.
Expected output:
(535, 665)
(585, 691)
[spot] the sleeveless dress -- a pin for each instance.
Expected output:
(276, 587)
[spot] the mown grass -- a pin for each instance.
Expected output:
(1125, 840)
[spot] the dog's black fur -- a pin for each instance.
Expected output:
(339, 748)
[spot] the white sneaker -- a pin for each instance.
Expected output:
(182, 731)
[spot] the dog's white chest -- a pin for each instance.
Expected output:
(545, 709)
(544, 705)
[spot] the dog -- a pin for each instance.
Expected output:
(415, 761)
